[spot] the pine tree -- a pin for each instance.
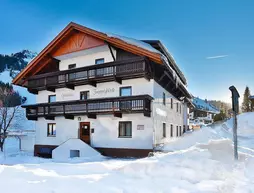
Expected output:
(246, 105)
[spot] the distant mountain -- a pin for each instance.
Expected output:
(20, 121)
(11, 65)
(15, 61)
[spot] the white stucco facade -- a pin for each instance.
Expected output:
(106, 126)
(106, 133)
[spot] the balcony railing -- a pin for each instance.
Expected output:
(112, 71)
(91, 107)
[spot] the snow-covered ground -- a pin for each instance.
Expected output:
(199, 162)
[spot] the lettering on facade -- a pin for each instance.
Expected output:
(103, 92)
(140, 127)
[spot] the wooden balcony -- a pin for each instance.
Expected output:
(112, 71)
(91, 107)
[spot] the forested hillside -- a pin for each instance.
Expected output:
(15, 62)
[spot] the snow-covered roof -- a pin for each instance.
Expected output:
(147, 46)
(135, 42)
(203, 105)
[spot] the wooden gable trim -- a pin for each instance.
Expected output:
(72, 28)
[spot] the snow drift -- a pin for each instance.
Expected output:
(201, 161)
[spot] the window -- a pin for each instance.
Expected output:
(176, 131)
(125, 129)
(71, 66)
(52, 98)
(184, 129)
(180, 108)
(180, 130)
(172, 103)
(164, 98)
(84, 95)
(125, 91)
(125, 105)
(74, 153)
(177, 107)
(171, 131)
(99, 61)
(164, 130)
(51, 130)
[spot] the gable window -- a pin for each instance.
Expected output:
(164, 98)
(99, 61)
(172, 103)
(180, 108)
(51, 131)
(125, 129)
(164, 130)
(176, 131)
(71, 66)
(52, 98)
(84, 95)
(171, 131)
(125, 91)
(177, 107)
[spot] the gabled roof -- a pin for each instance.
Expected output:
(204, 105)
(131, 45)
(159, 46)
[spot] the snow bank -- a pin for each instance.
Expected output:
(203, 168)
(245, 123)
(201, 161)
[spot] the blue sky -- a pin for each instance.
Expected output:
(195, 32)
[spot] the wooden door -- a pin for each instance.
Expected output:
(84, 132)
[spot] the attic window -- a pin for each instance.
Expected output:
(99, 61)
(71, 66)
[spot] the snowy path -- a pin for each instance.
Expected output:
(200, 162)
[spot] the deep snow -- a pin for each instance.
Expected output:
(199, 162)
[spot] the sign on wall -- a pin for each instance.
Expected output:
(140, 127)
(103, 92)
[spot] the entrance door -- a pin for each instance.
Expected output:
(84, 132)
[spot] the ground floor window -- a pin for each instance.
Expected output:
(176, 131)
(180, 130)
(125, 129)
(74, 153)
(51, 132)
(164, 130)
(171, 130)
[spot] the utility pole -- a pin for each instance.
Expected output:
(235, 107)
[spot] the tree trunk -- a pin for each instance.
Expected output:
(1, 146)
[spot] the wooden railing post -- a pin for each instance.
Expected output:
(64, 109)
